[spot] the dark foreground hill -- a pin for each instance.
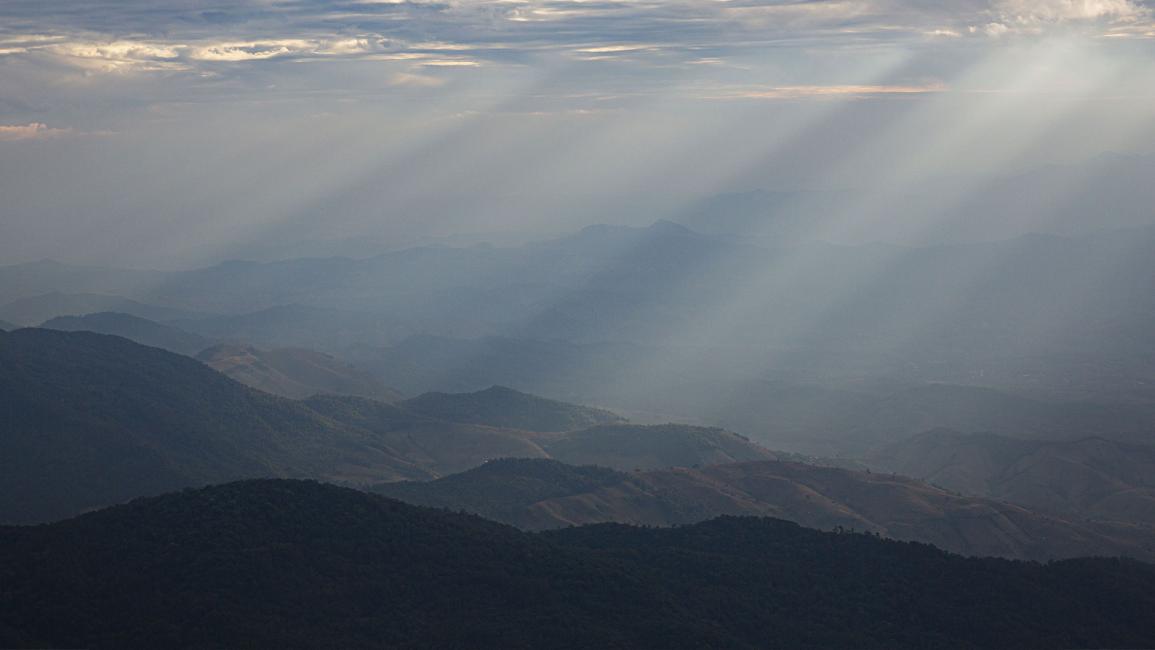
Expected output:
(292, 564)
(537, 494)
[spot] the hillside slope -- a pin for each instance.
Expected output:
(504, 407)
(293, 372)
(293, 564)
(625, 446)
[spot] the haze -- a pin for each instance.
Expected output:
(176, 134)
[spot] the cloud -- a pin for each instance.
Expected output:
(30, 131)
(195, 35)
(1033, 16)
(415, 80)
(117, 56)
(828, 92)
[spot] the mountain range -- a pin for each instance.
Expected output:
(94, 419)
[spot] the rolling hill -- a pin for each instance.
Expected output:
(1091, 478)
(542, 494)
(293, 564)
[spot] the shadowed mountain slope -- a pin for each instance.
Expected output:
(538, 494)
(296, 564)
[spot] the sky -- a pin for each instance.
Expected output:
(172, 133)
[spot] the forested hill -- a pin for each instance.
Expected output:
(291, 564)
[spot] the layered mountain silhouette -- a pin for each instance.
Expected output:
(92, 420)
(295, 564)
(545, 494)
(1091, 478)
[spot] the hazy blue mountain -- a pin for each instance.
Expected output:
(1056, 317)
(47, 276)
(295, 326)
(1019, 313)
(38, 309)
(143, 331)
(510, 409)
(825, 414)
(8, 327)
(536, 494)
(855, 418)
(1113, 187)
(342, 568)
(1091, 478)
